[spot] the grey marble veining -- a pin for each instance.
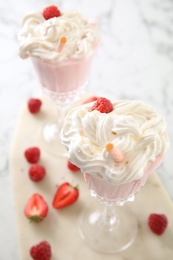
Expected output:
(135, 60)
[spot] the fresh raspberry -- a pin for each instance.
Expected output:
(41, 251)
(32, 154)
(103, 105)
(72, 166)
(90, 99)
(157, 223)
(34, 105)
(36, 172)
(50, 12)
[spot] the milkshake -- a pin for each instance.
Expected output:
(116, 149)
(61, 46)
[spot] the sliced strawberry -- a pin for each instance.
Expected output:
(65, 196)
(41, 251)
(90, 99)
(51, 11)
(36, 208)
(103, 105)
(36, 172)
(72, 166)
(34, 105)
(32, 154)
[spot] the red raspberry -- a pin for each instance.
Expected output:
(90, 99)
(72, 166)
(103, 105)
(157, 223)
(51, 11)
(36, 172)
(41, 251)
(34, 105)
(32, 154)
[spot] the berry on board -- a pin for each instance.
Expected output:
(157, 223)
(32, 154)
(72, 166)
(65, 196)
(36, 172)
(36, 208)
(34, 105)
(41, 251)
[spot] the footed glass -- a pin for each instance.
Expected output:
(63, 83)
(107, 224)
(107, 227)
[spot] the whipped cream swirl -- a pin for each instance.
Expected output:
(40, 37)
(134, 127)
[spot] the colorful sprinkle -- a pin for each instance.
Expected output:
(61, 44)
(115, 152)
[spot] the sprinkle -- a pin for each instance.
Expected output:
(115, 152)
(61, 44)
(136, 138)
(109, 147)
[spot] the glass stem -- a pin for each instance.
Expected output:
(109, 217)
(61, 114)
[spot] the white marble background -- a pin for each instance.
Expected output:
(135, 60)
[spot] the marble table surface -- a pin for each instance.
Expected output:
(135, 61)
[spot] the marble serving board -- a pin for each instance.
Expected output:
(60, 228)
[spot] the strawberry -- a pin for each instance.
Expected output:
(36, 208)
(34, 105)
(36, 172)
(50, 12)
(65, 196)
(32, 154)
(157, 223)
(41, 251)
(72, 166)
(103, 105)
(90, 99)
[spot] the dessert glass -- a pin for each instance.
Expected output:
(110, 226)
(116, 146)
(61, 46)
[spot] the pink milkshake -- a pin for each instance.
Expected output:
(119, 193)
(62, 81)
(61, 46)
(116, 150)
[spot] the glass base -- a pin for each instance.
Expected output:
(51, 140)
(107, 234)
